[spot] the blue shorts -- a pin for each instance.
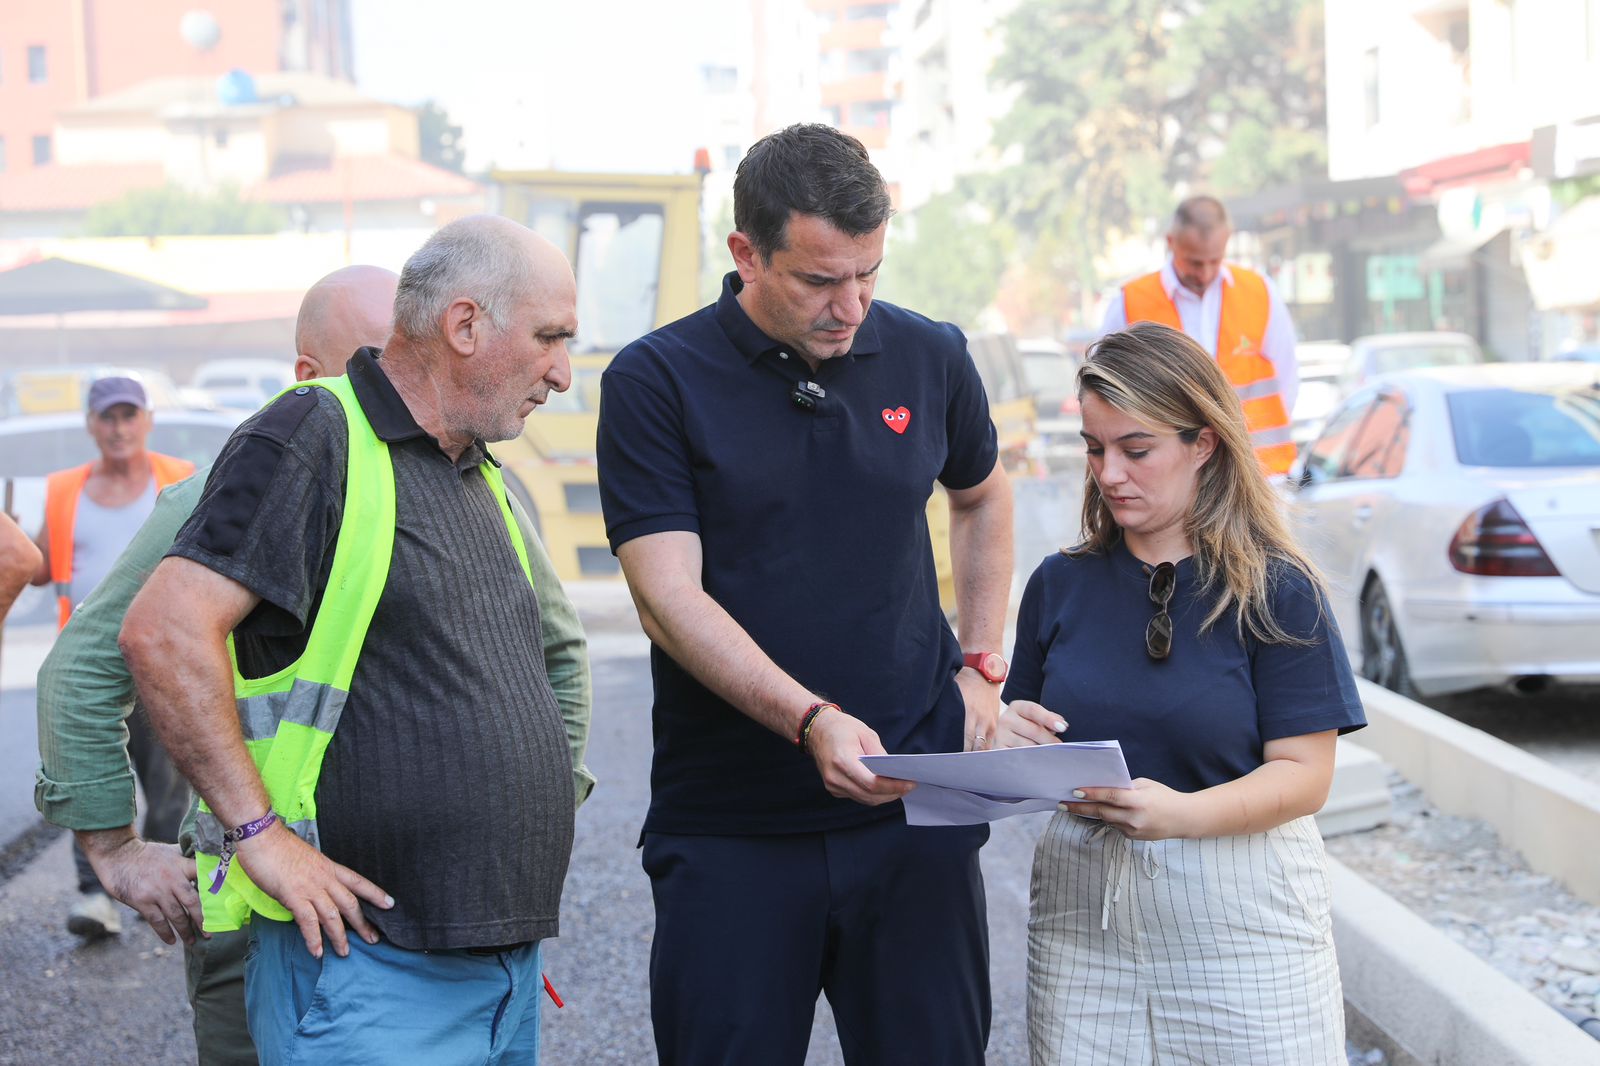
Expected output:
(385, 1004)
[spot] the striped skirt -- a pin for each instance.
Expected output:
(1211, 952)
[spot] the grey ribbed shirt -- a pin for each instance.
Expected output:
(448, 780)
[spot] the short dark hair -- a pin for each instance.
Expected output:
(813, 169)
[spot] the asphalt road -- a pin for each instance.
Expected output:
(1560, 726)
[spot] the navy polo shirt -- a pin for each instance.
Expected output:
(814, 534)
(1201, 716)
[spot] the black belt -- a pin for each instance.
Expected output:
(499, 949)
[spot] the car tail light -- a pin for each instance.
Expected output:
(1494, 541)
(1069, 406)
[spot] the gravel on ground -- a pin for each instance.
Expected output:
(1459, 876)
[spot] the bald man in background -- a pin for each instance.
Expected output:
(355, 304)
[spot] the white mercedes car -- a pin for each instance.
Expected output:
(1456, 514)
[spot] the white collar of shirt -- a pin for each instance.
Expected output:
(1176, 290)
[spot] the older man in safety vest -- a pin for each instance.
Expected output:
(383, 708)
(91, 512)
(1234, 313)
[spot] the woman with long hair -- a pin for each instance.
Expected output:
(1185, 919)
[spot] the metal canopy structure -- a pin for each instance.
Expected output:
(57, 286)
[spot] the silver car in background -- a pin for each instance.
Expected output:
(246, 384)
(1051, 369)
(1392, 353)
(1321, 370)
(1456, 514)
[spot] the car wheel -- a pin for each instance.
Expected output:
(1383, 657)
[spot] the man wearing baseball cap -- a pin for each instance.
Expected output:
(91, 513)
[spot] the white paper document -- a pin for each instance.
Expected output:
(968, 787)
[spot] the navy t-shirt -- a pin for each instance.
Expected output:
(1201, 716)
(814, 535)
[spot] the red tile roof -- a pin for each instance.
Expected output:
(361, 180)
(364, 180)
(75, 188)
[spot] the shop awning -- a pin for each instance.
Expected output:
(1561, 263)
(1455, 253)
(1502, 162)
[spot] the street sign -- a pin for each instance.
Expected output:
(1394, 277)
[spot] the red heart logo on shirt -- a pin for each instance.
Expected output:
(897, 419)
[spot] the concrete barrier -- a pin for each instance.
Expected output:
(1439, 1004)
(1549, 815)
(1359, 797)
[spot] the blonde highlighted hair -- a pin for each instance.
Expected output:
(1161, 377)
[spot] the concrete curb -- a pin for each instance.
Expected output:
(1359, 797)
(1549, 815)
(1438, 1002)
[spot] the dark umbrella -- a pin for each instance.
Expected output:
(60, 286)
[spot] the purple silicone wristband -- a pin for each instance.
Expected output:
(232, 838)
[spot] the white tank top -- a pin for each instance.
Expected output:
(99, 536)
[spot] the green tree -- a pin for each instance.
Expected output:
(945, 259)
(1120, 102)
(439, 138)
(175, 211)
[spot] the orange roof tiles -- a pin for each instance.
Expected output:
(358, 179)
(70, 188)
(363, 179)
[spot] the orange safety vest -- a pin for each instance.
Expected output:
(1245, 306)
(62, 490)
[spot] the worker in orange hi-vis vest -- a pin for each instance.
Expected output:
(91, 513)
(1234, 313)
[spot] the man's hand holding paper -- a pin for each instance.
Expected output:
(964, 788)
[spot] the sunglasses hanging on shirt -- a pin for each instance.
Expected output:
(1158, 634)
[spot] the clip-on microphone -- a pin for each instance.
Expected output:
(806, 394)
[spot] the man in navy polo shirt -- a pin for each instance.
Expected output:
(765, 465)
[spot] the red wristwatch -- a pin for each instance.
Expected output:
(990, 665)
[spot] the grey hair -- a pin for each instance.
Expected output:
(468, 258)
(1202, 214)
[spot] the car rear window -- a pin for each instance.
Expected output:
(37, 452)
(1049, 373)
(1516, 428)
(199, 444)
(1417, 356)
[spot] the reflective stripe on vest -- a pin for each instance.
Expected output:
(62, 490)
(1240, 332)
(289, 717)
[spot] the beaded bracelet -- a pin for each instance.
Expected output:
(802, 736)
